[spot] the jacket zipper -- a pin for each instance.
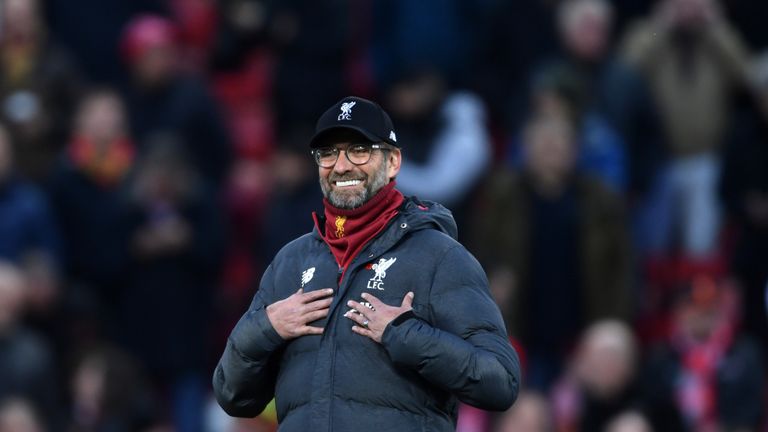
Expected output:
(339, 276)
(342, 277)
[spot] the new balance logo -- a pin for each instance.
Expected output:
(307, 276)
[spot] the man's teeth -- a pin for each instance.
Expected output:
(348, 183)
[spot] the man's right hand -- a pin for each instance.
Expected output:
(290, 316)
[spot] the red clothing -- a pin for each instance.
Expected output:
(347, 231)
(107, 166)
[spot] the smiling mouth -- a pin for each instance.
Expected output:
(347, 183)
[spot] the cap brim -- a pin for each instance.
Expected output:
(323, 134)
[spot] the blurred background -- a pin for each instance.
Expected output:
(606, 161)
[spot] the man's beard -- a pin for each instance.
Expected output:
(349, 200)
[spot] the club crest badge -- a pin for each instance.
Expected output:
(380, 272)
(340, 221)
(346, 111)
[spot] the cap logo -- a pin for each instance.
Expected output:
(346, 111)
(392, 136)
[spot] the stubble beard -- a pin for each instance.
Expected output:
(348, 200)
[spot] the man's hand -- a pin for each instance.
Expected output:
(371, 322)
(290, 316)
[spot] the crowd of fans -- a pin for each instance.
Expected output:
(606, 161)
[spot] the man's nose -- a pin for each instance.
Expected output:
(342, 163)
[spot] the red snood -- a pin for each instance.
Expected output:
(348, 231)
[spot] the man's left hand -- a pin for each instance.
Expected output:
(371, 322)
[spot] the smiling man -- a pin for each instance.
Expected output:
(378, 320)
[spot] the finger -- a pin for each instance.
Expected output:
(315, 315)
(408, 300)
(377, 304)
(362, 331)
(318, 304)
(311, 330)
(356, 317)
(317, 294)
(358, 307)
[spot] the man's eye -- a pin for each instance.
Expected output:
(325, 152)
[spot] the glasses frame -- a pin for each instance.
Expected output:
(336, 151)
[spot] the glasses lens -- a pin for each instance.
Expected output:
(326, 156)
(359, 154)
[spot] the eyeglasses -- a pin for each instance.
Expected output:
(357, 154)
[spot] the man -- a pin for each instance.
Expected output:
(696, 66)
(163, 98)
(378, 320)
(706, 375)
(555, 244)
(28, 368)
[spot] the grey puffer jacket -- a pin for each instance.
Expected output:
(452, 346)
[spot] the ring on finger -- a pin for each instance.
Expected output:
(365, 323)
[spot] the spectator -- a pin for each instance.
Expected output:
(86, 190)
(602, 382)
(614, 93)
(38, 86)
(560, 90)
(706, 376)
(561, 251)
(18, 415)
(161, 98)
(451, 146)
(27, 232)
(109, 393)
(531, 413)
(694, 62)
(27, 366)
(175, 244)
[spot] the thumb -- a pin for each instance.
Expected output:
(407, 300)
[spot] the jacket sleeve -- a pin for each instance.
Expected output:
(244, 379)
(466, 351)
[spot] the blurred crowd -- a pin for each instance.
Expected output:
(606, 161)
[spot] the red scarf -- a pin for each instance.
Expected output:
(696, 388)
(348, 231)
(105, 167)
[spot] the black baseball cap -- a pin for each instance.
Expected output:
(357, 114)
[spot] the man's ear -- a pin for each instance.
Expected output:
(393, 165)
